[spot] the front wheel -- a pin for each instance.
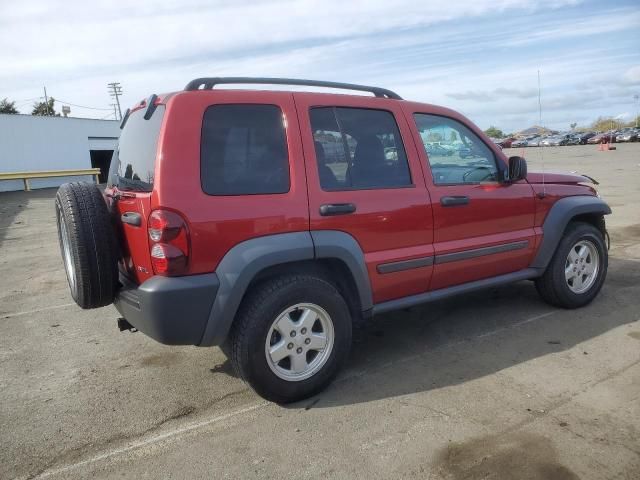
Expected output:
(577, 270)
(291, 336)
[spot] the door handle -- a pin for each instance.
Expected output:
(454, 201)
(132, 218)
(330, 209)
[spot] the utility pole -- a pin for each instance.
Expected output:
(115, 111)
(636, 97)
(46, 100)
(115, 90)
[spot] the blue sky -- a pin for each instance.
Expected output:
(479, 57)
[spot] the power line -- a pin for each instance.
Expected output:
(82, 106)
(20, 103)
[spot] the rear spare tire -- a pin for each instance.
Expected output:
(87, 243)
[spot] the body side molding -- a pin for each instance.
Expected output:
(557, 219)
(405, 264)
(480, 252)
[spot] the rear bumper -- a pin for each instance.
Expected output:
(171, 310)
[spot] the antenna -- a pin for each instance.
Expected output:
(544, 187)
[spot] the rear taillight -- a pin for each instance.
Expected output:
(169, 242)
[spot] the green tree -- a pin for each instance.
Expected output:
(434, 137)
(494, 132)
(7, 107)
(573, 125)
(602, 124)
(45, 108)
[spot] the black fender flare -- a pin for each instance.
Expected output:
(243, 262)
(342, 246)
(559, 216)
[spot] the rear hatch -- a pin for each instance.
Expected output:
(129, 188)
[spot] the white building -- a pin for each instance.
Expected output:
(31, 143)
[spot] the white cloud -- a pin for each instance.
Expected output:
(632, 76)
(453, 55)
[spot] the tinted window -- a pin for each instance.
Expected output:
(456, 154)
(133, 162)
(244, 150)
(358, 149)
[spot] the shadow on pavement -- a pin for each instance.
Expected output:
(13, 203)
(461, 339)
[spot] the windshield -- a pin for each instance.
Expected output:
(133, 163)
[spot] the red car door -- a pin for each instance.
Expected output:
(364, 178)
(483, 227)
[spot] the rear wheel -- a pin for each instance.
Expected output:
(577, 270)
(291, 336)
(87, 244)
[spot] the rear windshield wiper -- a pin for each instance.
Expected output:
(125, 184)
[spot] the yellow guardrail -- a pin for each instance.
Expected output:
(25, 176)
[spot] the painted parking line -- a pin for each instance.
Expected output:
(44, 309)
(108, 454)
(154, 439)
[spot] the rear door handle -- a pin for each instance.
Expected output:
(454, 201)
(330, 209)
(131, 218)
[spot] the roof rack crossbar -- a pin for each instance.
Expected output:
(207, 83)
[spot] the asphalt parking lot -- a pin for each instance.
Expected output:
(495, 384)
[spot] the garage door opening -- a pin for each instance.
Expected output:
(101, 159)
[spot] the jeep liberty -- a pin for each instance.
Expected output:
(266, 222)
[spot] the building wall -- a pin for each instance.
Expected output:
(29, 143)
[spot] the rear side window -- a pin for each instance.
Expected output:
(358, 148)
(244, 150)
(133, 163)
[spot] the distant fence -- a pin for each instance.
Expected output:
(26, 176)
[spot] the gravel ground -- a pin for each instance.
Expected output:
(495, 384)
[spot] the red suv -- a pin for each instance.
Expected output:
(266, 222)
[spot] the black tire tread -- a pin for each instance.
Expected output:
(88, 222)
(244, 326)
(551, 285)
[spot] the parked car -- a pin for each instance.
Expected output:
(558, 140)
(519, 143)
(390, 153)
(602, 138)
(585, 136)
(534, 142)
(506, 142)
(438, 150)
(627, 136)
(228, 220)
(496, 141)
(573, 140)
(549, 141)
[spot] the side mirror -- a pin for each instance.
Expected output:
(517, 169)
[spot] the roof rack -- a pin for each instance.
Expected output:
(208, 83)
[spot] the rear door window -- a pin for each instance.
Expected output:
(358, 148)
(244, 150)
(133, 163)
